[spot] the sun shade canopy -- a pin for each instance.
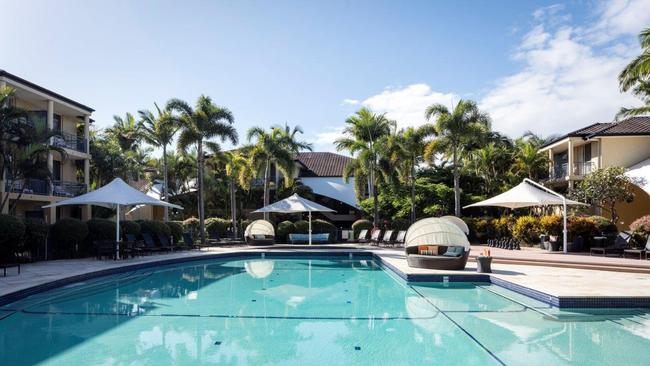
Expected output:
(113, 194)
(524, 195)
(458, 222)
(435, 231)
(259, 227)
(294, 204)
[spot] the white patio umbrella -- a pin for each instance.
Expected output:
(295, 204)
(114, 195)
(528, 194)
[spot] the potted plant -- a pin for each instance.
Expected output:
(484, 262)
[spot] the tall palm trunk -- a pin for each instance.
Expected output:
(233, 207)
(165, 183)
(412, 191)
(456, 184)
(267, 192)
(201, 200)
(375, 200)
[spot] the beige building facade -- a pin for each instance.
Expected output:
(70, 176)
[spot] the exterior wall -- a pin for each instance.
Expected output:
(629, 212)
(624, 151)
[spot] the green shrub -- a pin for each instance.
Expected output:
(130, 227)
(284, 229)
(176, 229)
(603, 224)
(484, 229)
(583, 226)
(400, 224)
(68, 238)
(191, 225)
(217, 225)
(99, 229)
(551, 225)
(154, 227)
(36, 231)
(244, 223)
(471, 224)
(359, 225)
(302, 227)
(12, 233)
(526, 229)
(319, 226)
(502, 226)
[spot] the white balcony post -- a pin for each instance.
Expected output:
(570, 160)
(86, 212)
(50, 159)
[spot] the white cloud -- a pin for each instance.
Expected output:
(350, 101)
(406, 105)
(569, 79)
(324, 141)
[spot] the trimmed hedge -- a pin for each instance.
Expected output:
(284, 229)
(526, 229)
(176, 229)
(359, 225)
(99, 229)
(129, 227)
(154, 227)
(400, 224)
(12, 233)
(583, 226)
(603, 224)
(36, 231)
(217, 225)
(551, 225)
(68, 238)
(302, 227)
(319, 226)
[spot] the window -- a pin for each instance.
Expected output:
(56, 173)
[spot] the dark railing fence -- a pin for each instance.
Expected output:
(69, 141)
(68, 189)
(42, 187)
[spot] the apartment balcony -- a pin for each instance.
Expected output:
(68, 189)
(70, 141)
(583, 168)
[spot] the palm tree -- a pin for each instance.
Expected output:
(636, 77)
(459, 131)
(278, 147)
(232, 164)
(410, 144)
(126, 132)
(366, 130)
(159, 131)
(528, 162)
(198, 125)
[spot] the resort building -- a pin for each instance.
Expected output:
(601, 145)
(70, 177)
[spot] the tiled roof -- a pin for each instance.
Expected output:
(322, 164)
(630, 126)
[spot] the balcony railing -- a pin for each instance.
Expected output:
(69, 141)
(68, 189)
(583, 168)
(558, 172)
(28, 186)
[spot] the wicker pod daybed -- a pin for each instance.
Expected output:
(435, 243)
(260, 232)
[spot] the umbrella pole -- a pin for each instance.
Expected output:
(117, 234)
(309, 227)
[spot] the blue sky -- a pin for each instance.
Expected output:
(537, 65)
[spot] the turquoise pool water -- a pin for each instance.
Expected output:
(307, 312)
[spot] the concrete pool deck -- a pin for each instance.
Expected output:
(558, 282)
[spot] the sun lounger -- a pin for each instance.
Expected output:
(188, 241)
(150, 244)
(399, 239)
(387, 238)
(376, 235)
(104, 248)
(640, 252)
(620, 244)
(4, 267)
(165, 242)
(136, 246)
(363, 236)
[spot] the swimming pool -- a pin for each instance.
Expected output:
(303, 311)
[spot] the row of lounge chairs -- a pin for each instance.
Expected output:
(131, 246)
(621, 248)
(389, 237)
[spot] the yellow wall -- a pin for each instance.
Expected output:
(628, 212)
(624, 151)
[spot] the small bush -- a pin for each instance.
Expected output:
(502, 226)
(302, 227)
(484, 229)
(359, 225)
(217, 225)
(551, 225)
(36, 231)
(191, 225)
(603, 224)
(176, 229)
(154, 227)
(526, 229)
(322, 227)
(583, 226)
(244, 223)
(400, 224)
(129, 227)
(68, 238)
(641, 225)
(284, 229)
(12, 233)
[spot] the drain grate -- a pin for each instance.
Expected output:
(357, 348)
(217, 343)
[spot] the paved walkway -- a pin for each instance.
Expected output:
(558, 282)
